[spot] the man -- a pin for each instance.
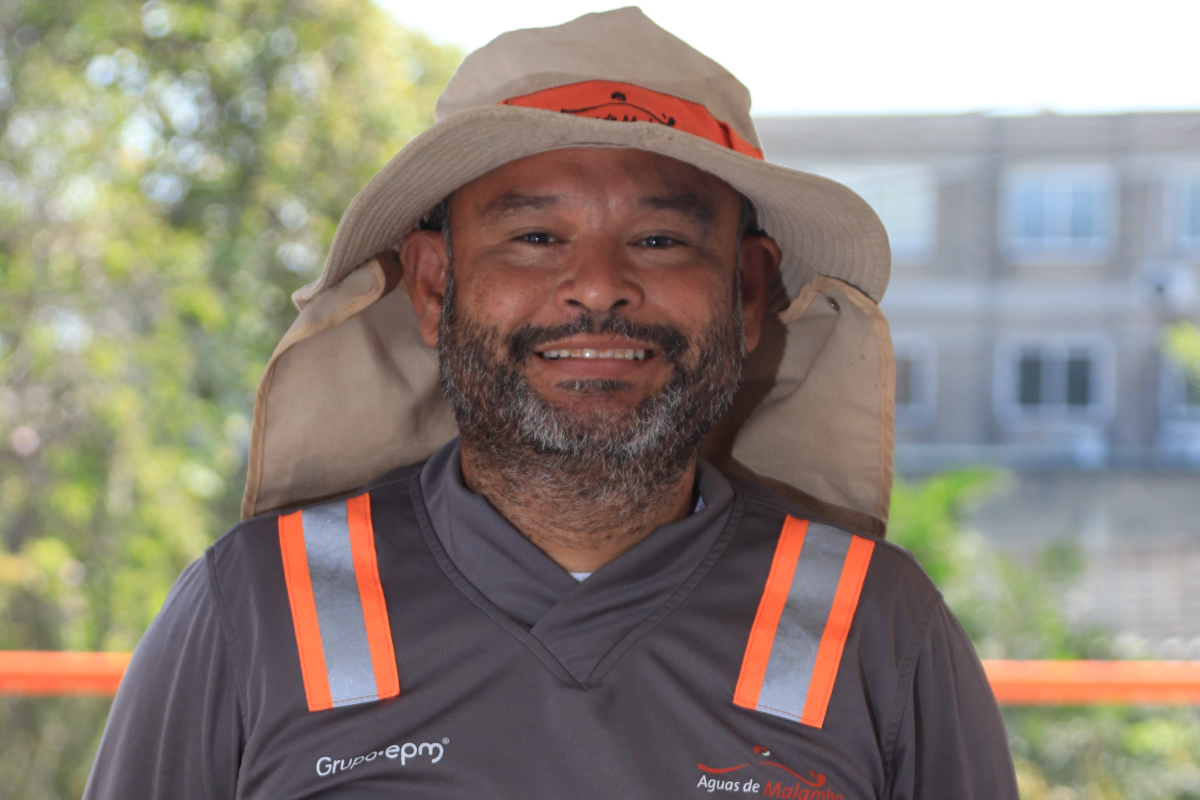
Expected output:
(550, 594)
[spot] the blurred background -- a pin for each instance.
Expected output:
(171, 171)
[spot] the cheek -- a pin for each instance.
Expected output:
(693, 297)
(503, 298)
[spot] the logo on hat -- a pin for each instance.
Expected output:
(621, 102)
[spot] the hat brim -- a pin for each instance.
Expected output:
(821, 226)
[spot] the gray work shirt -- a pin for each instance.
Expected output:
(685, 667)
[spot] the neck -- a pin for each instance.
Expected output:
(581, 530)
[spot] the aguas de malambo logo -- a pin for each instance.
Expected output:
(790, 784)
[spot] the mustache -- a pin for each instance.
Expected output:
(667, 338)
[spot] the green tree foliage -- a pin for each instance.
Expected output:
(1181, 344)
(169, 172)
(1012, 609)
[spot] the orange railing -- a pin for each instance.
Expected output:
(1014, 682)
(50, 673)
(1071, 683)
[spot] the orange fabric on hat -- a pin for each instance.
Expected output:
(624, 102)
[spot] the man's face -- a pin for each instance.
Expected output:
(593, 314)
(596, 232)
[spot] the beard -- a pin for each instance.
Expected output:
(600, 468)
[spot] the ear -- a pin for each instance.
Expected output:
(760, 260)
(424, 263)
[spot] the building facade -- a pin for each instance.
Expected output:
(1038, 262)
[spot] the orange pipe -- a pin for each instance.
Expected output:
(59, 673)
(1057, 683)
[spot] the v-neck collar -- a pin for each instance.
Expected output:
(578, 623)
(509, 569)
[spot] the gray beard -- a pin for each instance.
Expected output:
(601, 470)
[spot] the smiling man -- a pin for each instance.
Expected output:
(592, 328)
(483, 554)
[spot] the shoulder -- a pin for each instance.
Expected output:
(273, 575)
(187, 645)
(189, 617)
(767, 506)
(259, 563)
(187, 608)
(893, 579)
(846, 599)
(247, 544)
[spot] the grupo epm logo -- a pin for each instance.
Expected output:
(425, 751)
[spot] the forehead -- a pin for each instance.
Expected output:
(602, 174)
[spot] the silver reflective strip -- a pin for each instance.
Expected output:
(339, 608)
(810, 599)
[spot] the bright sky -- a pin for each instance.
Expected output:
(872, 56)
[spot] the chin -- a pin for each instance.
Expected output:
(593, 396)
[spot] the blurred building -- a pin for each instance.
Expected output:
(1038, 260)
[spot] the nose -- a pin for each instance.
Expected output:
(599, 280)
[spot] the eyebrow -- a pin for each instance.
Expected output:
(511, 203)
(689, 205)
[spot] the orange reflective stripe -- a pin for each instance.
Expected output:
(837, 628)
(766, 621)
(366, 571)
(803, 621)
(624, 102)
(304, 611)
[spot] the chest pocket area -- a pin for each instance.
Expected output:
(803, 620)
(338, 610)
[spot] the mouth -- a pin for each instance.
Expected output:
(633, 363)
(597, 354)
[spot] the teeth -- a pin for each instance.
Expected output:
(628, 354)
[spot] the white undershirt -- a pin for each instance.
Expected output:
(580, 576)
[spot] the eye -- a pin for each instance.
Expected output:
(538, 237)
(659, 241)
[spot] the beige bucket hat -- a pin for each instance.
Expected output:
(352, 392)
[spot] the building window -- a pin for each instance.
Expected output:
(1059, 211)
(1052, 379)
(916, 380)
(903, 195)
(1188, 188)
(1178, 437)
(1180, 393)
(1069, 380)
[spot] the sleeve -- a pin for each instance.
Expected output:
(950, 743)
(175, 729)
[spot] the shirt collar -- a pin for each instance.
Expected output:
(577, 621)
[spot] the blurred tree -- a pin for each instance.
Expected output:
(1181, 344)
(1013, 610)
(169, 172)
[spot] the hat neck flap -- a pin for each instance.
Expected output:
(352, 392)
